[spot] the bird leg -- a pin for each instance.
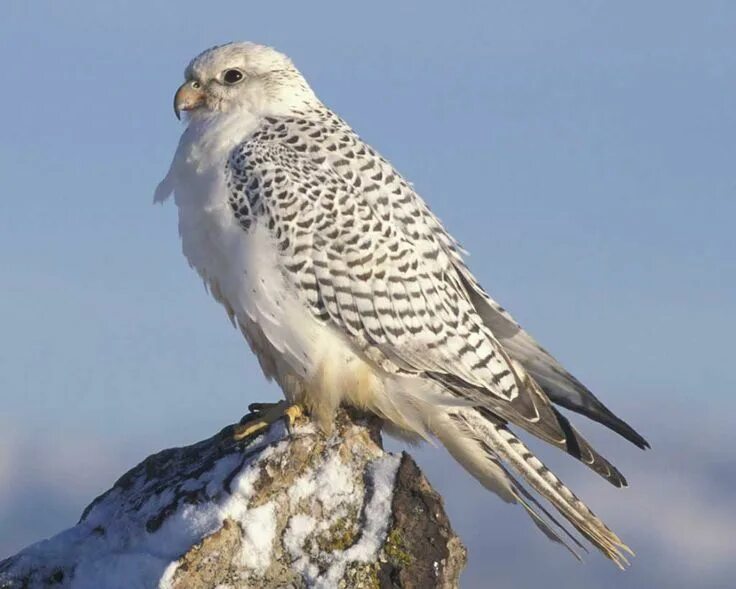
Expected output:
(262, 415)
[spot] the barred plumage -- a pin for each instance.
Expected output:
(349, 289)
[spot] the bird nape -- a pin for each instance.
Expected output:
(350, 291)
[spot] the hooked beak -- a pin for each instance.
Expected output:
(188, 97)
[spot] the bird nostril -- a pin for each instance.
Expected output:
(196, 85)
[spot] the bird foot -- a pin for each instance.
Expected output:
(263, 415)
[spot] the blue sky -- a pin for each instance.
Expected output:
(583, 152)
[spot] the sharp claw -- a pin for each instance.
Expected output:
(263, 415)
(292, 413)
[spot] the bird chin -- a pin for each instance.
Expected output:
(193, 115)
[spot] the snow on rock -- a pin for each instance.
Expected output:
(278, 510)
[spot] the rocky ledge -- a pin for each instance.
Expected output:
(278, 510)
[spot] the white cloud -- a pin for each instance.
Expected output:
(679, 515)
(73, 467)
(47, 478)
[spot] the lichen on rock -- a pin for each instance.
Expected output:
(280, 510)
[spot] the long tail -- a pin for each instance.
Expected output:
(482, 444)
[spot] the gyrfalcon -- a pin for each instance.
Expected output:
(350, 291)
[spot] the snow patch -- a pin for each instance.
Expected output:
(112, 548)
(133, 537)
(332, 484)
(377, 516)
(300, 526)
(259, 533)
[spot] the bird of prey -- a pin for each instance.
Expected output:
(350, 291)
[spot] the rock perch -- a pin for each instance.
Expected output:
(275, 511)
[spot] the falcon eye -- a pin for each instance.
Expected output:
(231, 77)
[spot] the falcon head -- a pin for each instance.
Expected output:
(242, 76)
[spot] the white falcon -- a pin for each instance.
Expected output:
(350, 291)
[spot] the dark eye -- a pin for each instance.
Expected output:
(231, 77)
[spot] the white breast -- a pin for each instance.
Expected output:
(241, 268)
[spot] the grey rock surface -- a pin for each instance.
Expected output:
(279, 510)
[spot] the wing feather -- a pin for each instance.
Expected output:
(377, 268)
(559, 385)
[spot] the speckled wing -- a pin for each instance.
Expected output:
(395, 199)
(558, 384)
(365, 255)
(361, 272)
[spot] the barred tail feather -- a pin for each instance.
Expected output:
(544, 520)
(487, 468)
(481, 442)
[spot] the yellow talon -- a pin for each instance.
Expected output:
(266, 414)
(292, 413)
